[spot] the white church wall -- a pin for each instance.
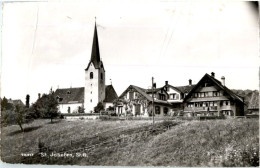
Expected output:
(63, 108)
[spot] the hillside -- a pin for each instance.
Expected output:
(231, 142)
(251, 97)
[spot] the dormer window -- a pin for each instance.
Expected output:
(68, 92)
(91, 75)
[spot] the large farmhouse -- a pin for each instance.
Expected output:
(212, 97)
(73, 100)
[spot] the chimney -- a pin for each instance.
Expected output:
(213, 74)
(166, 83)
(154, 85)
(190, 82)
(223, 80)
(39, 95)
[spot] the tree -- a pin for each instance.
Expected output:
(99, 107)
(46, 106)
(52, 107)
(27, 101)
(20, 115)
(4, 104)
(81, 109)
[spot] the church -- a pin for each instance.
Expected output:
(74, 100)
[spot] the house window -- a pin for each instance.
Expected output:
(157, 109)
(101, 76)
(131, 95)
(202, 94)
(215, 94)
(91, 75)
(211, 104)
(165, 110)
(90, 100)
(69, 109)
(162, 96)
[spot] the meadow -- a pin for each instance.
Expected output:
(230, 142)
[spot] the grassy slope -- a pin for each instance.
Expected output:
(59, 134)
(199, 143)
(230, 142)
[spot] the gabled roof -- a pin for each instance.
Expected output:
(16, 102)
(70, 95)
(110, 94)
(218, 83)
(144, 92)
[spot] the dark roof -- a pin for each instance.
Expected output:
(18, 102)
(144, 92)
(15, 102)
(185, 89)
(182, 89)
(110, 94)
(218, 83)
(95, 53)
(70, 95)
(153, 90)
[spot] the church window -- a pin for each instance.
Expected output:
(101, 76)
(91, 92)
(91, 100)
(91, 75)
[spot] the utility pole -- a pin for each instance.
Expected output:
(153, 103)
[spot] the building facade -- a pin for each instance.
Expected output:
(210, 97)
(137, 101)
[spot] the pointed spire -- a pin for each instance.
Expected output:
(95, 55)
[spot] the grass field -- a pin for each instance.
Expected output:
(230, 142)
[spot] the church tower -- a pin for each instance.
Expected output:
(94, 77)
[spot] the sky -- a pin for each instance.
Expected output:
(48, 44)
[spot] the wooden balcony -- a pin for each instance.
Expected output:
(197, 109)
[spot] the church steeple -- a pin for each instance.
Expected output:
(95, 54)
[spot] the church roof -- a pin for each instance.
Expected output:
(95, 53)
(70, 95)
(76, 95)
(110, 94)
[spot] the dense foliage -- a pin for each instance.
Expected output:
(46, 107)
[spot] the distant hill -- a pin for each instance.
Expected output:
(251, 97)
